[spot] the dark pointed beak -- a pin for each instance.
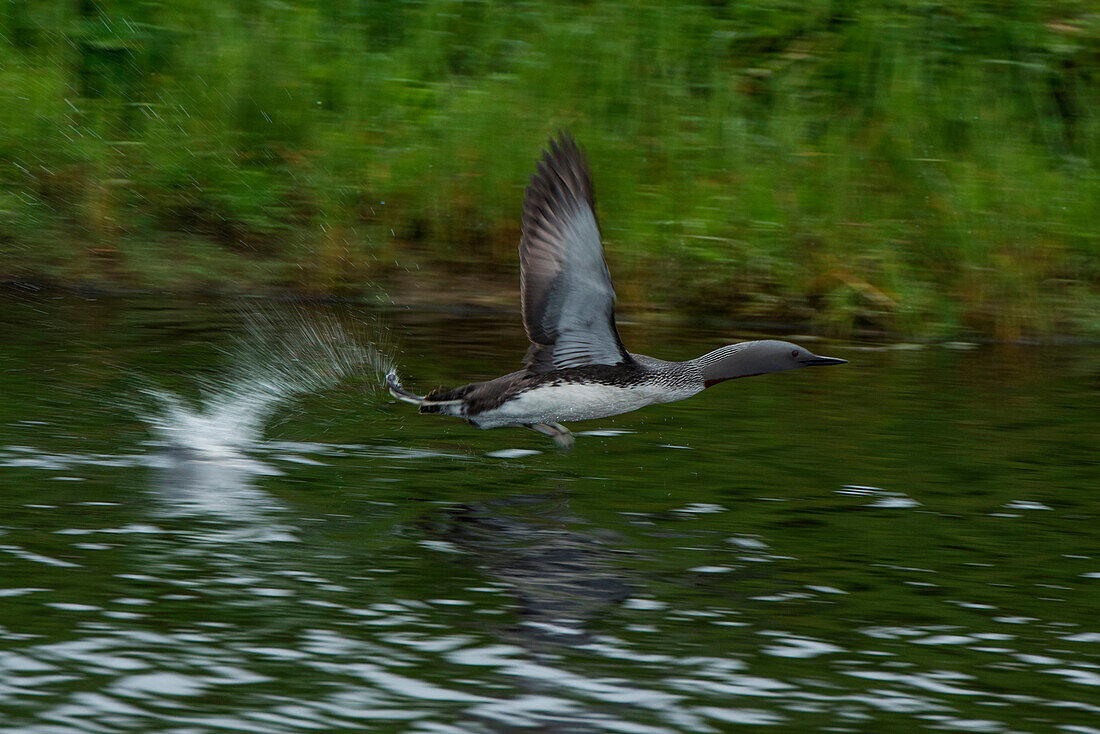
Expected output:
(815, 360)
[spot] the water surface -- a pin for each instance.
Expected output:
(189, 545)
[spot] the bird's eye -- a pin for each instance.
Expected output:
(794, 353)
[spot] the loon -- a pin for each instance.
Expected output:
(577, 367)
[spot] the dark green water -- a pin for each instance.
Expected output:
(906, 543)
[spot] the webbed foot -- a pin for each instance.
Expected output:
(394, 386)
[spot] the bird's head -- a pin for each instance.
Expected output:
(747, 359)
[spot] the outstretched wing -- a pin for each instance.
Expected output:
(565, 287)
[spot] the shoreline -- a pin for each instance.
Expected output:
(406, 294)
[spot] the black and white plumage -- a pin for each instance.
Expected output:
(577, 367)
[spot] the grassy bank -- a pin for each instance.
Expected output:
(927, 167)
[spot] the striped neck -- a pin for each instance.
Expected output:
(722, 364)
(746, 359)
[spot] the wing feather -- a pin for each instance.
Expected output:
(565, 287)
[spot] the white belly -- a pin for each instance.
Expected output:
(577, 402)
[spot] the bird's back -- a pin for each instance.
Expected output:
(577, 393)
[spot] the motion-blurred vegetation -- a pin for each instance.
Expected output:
(929, 167)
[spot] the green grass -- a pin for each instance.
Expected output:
(931, 168)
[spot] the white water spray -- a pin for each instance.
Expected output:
(278, 358)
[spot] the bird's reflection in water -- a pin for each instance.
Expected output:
(562, 576)
(560, 573)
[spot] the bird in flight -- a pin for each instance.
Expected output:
(577, 367)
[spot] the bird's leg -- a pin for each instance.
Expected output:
(394, 386)
(561, 435)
